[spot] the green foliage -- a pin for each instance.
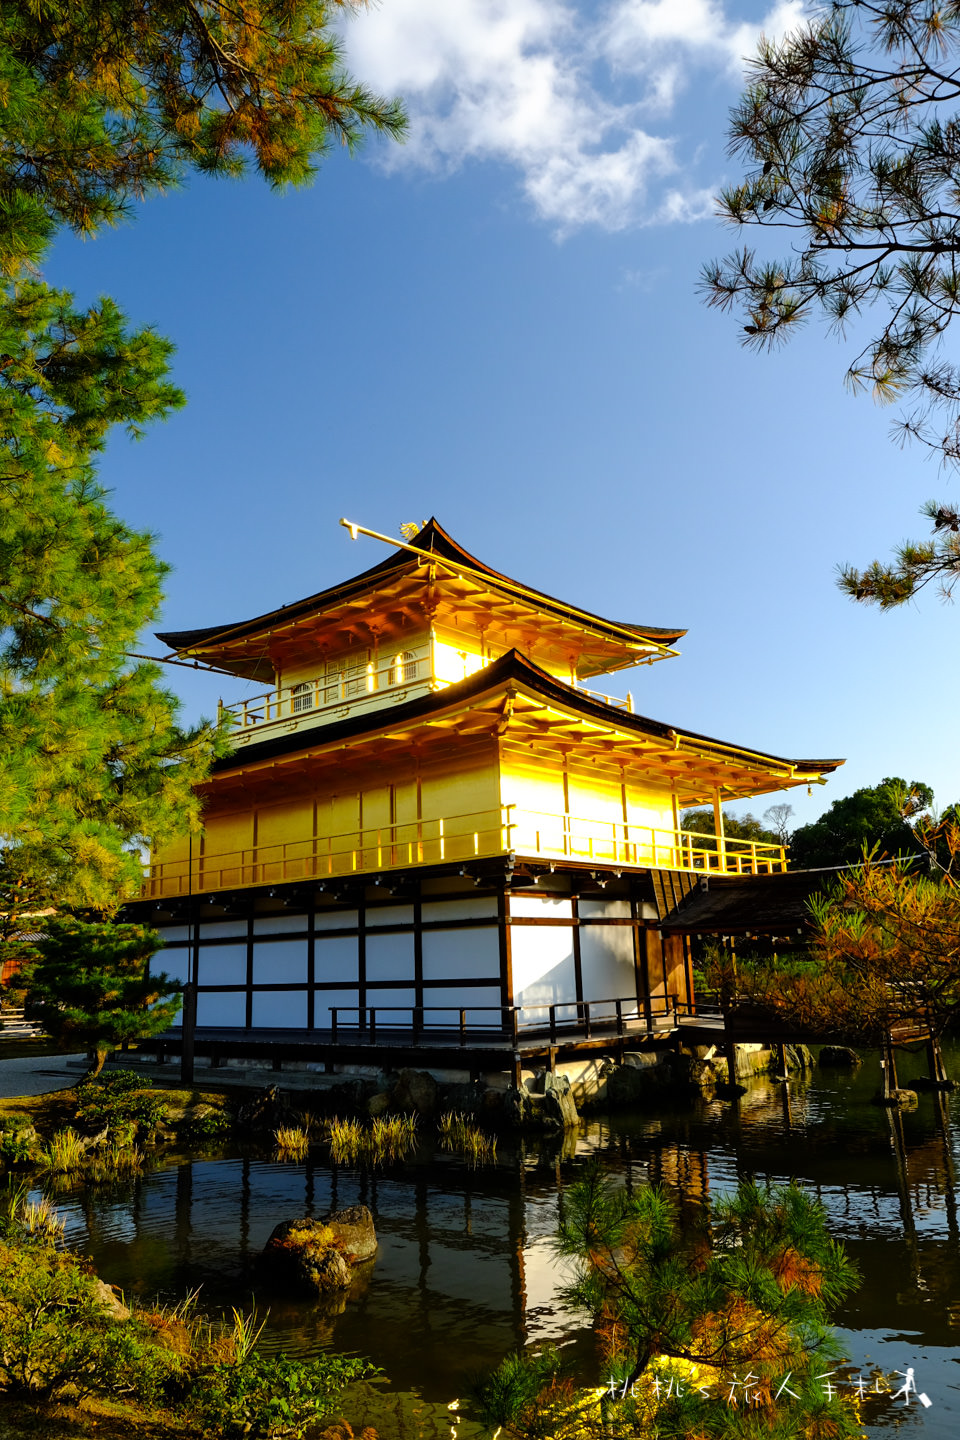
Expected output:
(875, 817)
(93, 764)
(271, 1395)
(211, 1125)
(64, 1153)
(847, 129)
(15, 1148)
(121, 1102)
(55, 1338)
(108, 100)
(743, 1287)
(90, 984)
(103, 102)
(743, 827)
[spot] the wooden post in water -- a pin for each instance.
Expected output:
(889, 1063)
(935, 1066)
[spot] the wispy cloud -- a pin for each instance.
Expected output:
(579, 108)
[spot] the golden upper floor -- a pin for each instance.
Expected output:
(429, 615)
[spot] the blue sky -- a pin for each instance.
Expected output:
(498, 324)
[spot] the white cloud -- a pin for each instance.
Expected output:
(531, 84)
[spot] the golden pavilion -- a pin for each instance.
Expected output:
(430, 818)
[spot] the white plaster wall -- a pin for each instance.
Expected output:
(541, 907)
(390, 957)
(461, 954)
(470, 1000)
(343, 999)
(335, 919)
(222, 965)
(223, 930)
(227, 1009)
(280, 924)
(337, 959)
(474, 907)
(405, 999)
(543, 969)
(607, 966)
(390, 915)
(280, 962)
(170, 933)
(280, 1008)
(604, 909)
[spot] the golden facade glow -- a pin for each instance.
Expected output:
(430, 711)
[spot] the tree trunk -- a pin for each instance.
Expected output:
(98, 1058)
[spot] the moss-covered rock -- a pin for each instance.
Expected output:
(314, 1257)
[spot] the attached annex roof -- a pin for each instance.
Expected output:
(539, 717)
(396, 590)
(749, 904)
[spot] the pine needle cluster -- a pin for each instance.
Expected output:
(717, 1326)
(849, 132)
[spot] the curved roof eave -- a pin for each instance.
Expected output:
(510, 667)
(433, 538)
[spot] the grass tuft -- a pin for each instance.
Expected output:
(459, 1133)
(292, 1143)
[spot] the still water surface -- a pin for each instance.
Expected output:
(464, 1272)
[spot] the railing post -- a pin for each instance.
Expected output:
(417, 1022)
(333, 1024)
(552, 1012)
(515, 1026)
(463, 1027)
(586, 1018)
(619, 1004)
(373, 1024)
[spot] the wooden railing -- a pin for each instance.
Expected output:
(619, 1016)
(341, 687)
(331, 690)
(369, 850)
(615, 842)
(462, 838)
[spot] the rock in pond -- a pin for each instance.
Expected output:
(314, 1256)
(839, 1057)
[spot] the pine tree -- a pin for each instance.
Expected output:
(105, 101)
(90, 985)
(101, 103)
(732, 1305)
(848, 129)
(92, 762)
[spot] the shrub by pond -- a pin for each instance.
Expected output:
(65, 1338)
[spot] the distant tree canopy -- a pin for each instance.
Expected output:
(743, 827)
(876, 816)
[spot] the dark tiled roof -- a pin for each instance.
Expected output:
(433, 539)
(510, 667)
(736, 904)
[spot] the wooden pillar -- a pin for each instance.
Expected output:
(718, 829)
(188, 1027)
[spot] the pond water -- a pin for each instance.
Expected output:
(465, 1273)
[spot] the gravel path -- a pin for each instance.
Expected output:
(38, 1075)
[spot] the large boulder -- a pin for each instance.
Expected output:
(314, 1257)
(415, 1090)
(548, 1105)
